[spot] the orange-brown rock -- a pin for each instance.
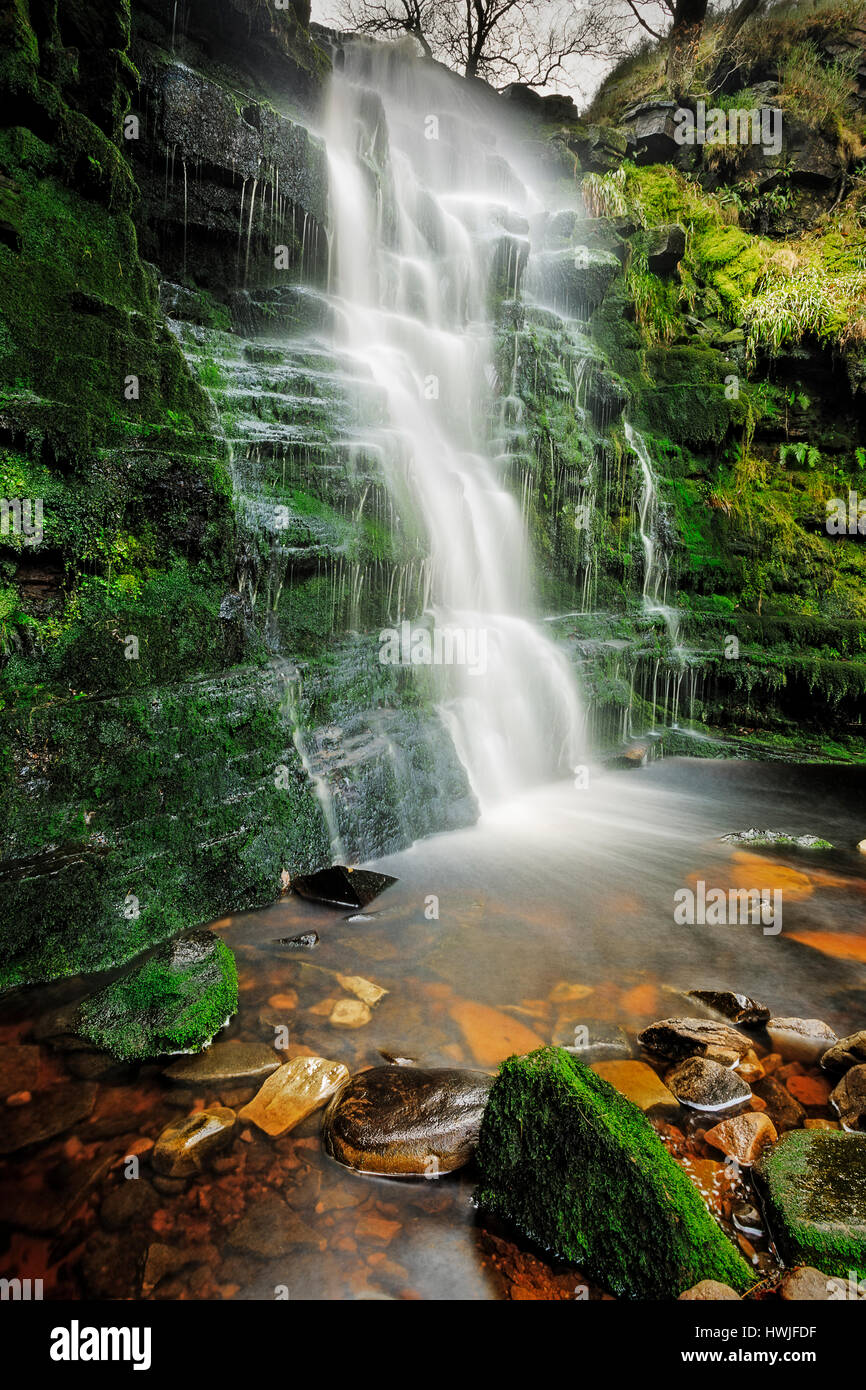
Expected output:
(744, 1137)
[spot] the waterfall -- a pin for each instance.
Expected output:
(427, 218)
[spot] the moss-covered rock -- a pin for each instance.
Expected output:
(577, 1167)
(813, 1185)
(175, 1001)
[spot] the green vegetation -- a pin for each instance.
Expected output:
(806, 1178)
(577, 1168)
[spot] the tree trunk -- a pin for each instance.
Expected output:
(683, 40)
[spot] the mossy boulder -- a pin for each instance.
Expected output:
(175, 1001)
(813, 1188)
(576, 1167)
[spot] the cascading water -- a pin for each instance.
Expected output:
(424, 211)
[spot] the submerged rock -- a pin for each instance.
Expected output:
(846, 1053)
(801, 1039)
(222, 1062)
(270, 1228)
(292, 1092)
(695, 1037)
(849, 1098)
(737, 1008)
(186, 1145)
(304, 941)
(705, 1085)
(774, 837)
(407, 1120)
(639, 1083)
(174, 1001)
(50, 1114)
(576, 1167)
(783, 1109)
(594, 1040)
(340, 886)
(813, 1190)
(743, 1137)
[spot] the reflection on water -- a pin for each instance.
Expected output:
(557, 906)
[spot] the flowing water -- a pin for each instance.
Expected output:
(421, 209)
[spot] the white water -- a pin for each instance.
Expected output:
(416, 222)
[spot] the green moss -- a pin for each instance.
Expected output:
(174, 1002)
(814, 1189)
(578, 1168)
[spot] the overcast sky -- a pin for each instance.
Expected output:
(585, 73)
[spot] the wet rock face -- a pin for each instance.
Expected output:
(846, 1053)
(744, 1137)
(339, 886)
(49, 1114)
(407, 1120)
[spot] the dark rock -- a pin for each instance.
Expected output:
(667, 246)
(133, 1200)
(600, 148)
(738, 1008)
(813, 1191)
(47, 1115)
(782, 1108)
(304, 941)
(849, 1098)
(594, 1040)
(270, 1228)
(19, 1069)
(747, 1218)
(405, 1120)
(342, 887)
(695, 1037)
(653, 128)
(185, 1145)
(224, 1062)
(173, 1001)
(846, 1053)
(705, 1085)
(111, 1264)
(574, 280)
(801, 1039)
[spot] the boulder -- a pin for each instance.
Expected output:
(340, 886)
(695, 1037)
(652, 130)
(600, 148)
(574, 280)
(813, 1190)
(577, 1168)
(705, 1085)
(407, 1120)
(666, 248)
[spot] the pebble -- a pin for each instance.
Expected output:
(710, 1290)
(349, 1013)
(292, 1092)
(185, 1145)
(849, 1099)
(807, 1285)
(705, 1085)
(676, 1038)
(809, 1090)
(224, 1062)
(743, 1137)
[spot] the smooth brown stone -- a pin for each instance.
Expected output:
(223, 1063)
(292, 1092)
(407, 1120)
(710, 1290)
(185, 1145)
(49, 1114)
(743, 1137)
(639, 1083)
(695, 1037)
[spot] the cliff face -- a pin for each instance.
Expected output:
(198, 555)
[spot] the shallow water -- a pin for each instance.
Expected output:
(565, 887)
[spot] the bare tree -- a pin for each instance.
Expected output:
(680, 24)
(501, 41)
